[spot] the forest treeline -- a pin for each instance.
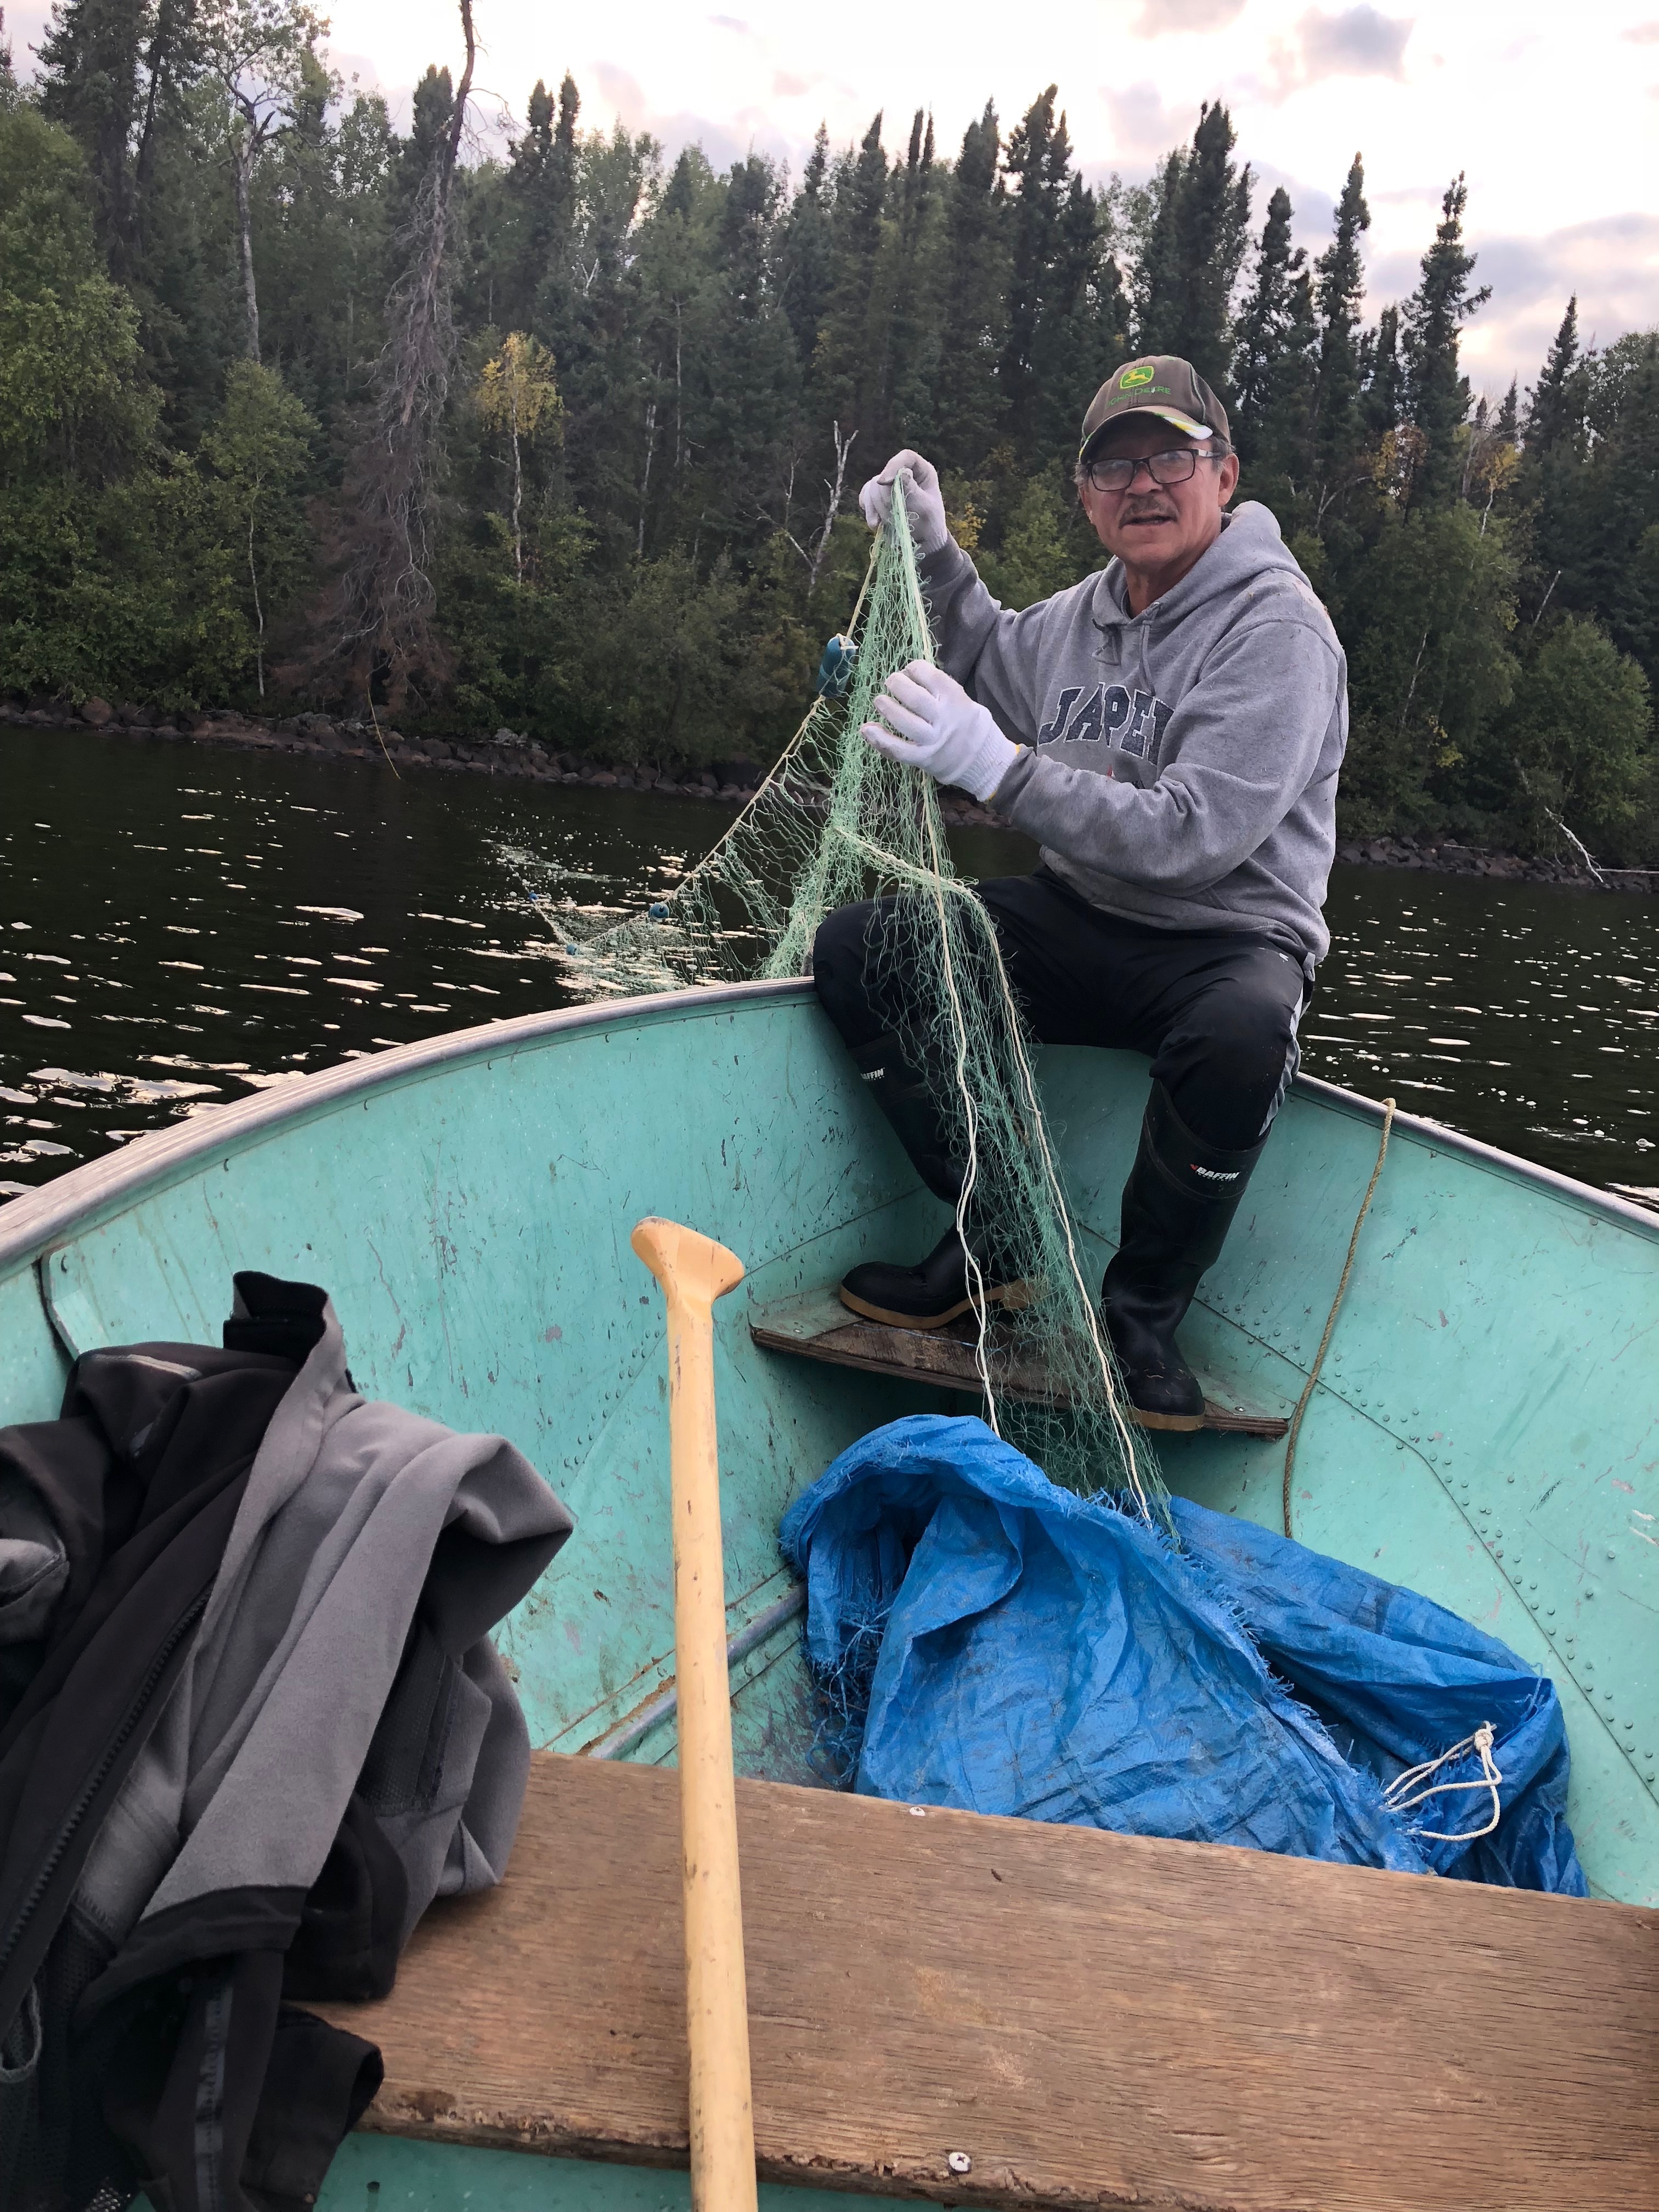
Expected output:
(294, 410)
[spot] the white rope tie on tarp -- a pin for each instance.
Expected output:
(1406, 1792)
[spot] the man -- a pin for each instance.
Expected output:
(1169, 731)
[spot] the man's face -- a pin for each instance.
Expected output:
(1153, 526)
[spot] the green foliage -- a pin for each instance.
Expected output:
(1428, 645)
(1038, 554)
(1579, 734)
(71, 399)
(257, 459)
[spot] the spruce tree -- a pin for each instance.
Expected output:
(1339, 292)
(969, 398)
(1075, 343)
(1557, 404)
(1195, 250)
(1436, 390)
(913, 331)
(804, 273)
(1039, 158)
(1288, 429)
(844, 386)
(751, 367)
(1157, 275)
(90, 70)
(1261, 325)
(1382, 376)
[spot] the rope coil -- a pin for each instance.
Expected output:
(1404, 1795)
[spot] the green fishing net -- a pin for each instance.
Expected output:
(835, 821)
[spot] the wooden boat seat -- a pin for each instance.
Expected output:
(817, 1326)
(1087, 2018)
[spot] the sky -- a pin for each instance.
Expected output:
(1552, 115)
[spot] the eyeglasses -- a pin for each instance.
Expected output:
(1117, 472)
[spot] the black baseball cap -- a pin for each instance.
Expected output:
(1157, 384)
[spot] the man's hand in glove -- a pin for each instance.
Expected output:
(941, 731)
(923, 500)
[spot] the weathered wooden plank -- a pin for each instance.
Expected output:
(819, 1327)
(1092, 2020)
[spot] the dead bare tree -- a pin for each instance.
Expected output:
(258, 49)
(384, 599)
(843, 448)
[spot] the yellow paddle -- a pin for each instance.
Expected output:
(694, 1272)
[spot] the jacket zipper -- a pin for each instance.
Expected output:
(95, 1781)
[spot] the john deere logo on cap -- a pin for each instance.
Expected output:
(1138, 373)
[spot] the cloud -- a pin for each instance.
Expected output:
(1612, 264)
(785, 87)
(733, 23)
(746, 130)
(1142, 126)
(622, 94)
(1642, 34)
(1159, 17)
(1359, 42)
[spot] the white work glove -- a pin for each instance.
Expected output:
(941, 731)
(923, 500)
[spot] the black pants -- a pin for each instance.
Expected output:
(1216, 1014)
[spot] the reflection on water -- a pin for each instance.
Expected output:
(178, 928)
(1523, 1015)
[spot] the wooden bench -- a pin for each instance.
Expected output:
(1090, 2018)
(817, 1326)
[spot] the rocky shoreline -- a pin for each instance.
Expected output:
(507, 754)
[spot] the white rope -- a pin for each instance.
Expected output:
(1404, 1794)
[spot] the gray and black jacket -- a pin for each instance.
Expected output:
(252, 1725)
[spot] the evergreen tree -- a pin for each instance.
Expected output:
(846, 380)
(1558, 404)
(1288, 431)
(1437, 391)
(969, 398)
(1199, 238)
(90, 73)
(1160, 277)
(751, 397)
(911, 281)
(1039, 158)
(1261, 325)
(1083, 333)
(1382, 376)
(807, 249)
(1339, 292)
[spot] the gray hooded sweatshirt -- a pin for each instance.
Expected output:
(1178, 767)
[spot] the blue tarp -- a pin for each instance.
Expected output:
(1004, 1646)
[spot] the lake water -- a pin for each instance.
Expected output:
(179, 925)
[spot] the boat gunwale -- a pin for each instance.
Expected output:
(99, 1189)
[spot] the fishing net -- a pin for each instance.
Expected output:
(837, 821)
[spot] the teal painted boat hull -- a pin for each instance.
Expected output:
(1485, 1432)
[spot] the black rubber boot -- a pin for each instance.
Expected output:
(904, 1097)
(931, 1295)
(935, 1292)
(1178, 1205)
